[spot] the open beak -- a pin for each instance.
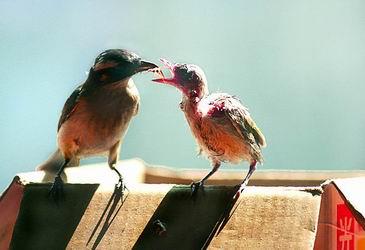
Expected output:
(170, 67)
(144, 66)
(164, 80)
(173, 80)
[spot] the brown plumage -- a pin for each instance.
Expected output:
(96, 116)
(221, 125)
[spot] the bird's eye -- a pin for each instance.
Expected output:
(191, 77)
(195, 77)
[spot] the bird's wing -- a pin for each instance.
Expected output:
(229, 109)
(70, 105)
(242, 121)
(252, 128)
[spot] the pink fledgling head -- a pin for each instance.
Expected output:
(188, 78)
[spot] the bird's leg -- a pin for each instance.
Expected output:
(196, 185)
(56, 190)
(244, 183)
(112, 161)
(120, 183)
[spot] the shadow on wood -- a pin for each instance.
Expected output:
(165, 216)
(111, 211)
(185, 222)
(38, 211)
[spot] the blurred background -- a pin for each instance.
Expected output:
(298, 65)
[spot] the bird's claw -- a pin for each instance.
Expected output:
(237, 195)
(240, 189)
(195, 187)
(120, 185)
(56, 191)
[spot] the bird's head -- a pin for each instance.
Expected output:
(188, 78)
(117, 64)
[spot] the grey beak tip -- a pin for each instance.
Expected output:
(148, 65)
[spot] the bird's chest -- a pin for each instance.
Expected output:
(206, 133)
(202, 126)
(213, 133)
(99, 120)
(111, 106)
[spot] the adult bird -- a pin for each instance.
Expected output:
(221, 125)
(96, 116)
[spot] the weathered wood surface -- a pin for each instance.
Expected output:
(95, 215)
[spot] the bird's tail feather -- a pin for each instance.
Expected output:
(55, 161)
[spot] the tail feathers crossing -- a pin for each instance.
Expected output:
(55, 161)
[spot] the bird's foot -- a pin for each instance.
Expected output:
(240, 189)
(56, 191)
(120, 185)
(195, 186)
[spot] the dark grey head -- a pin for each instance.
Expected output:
(117, 64)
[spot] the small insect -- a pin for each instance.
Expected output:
(157, 72)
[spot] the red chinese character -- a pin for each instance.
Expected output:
(345, 228)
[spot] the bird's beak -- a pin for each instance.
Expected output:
(170, 67)
(144, 66)
(164, 80)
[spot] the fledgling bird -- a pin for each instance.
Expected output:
(96, 116)
(221, 125)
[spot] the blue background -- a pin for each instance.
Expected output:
(298, 65)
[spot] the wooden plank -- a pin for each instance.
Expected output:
(91, 216)
(94, 214)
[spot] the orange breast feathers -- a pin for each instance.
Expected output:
(218, 138)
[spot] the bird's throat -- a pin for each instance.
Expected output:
(190, 105)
